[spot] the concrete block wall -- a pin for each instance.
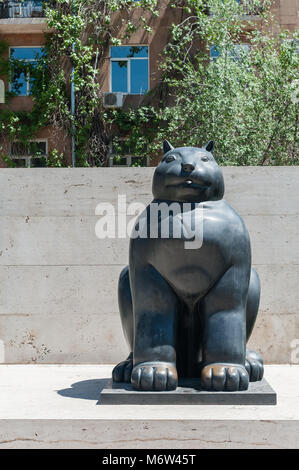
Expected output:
(58, 281)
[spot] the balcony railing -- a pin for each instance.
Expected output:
(21, 9)
(251, 8)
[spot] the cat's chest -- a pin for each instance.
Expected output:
(192, 228)
(196, 249)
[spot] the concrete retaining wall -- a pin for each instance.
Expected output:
(58, 281)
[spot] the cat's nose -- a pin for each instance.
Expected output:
(187, 167)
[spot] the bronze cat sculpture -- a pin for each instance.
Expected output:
(189, 312)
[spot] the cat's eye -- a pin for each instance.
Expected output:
(169, 159)
(205, 159)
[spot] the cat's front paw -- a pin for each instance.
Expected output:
(158, 376)
(224, 377)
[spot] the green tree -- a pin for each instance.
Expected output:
(245, 98)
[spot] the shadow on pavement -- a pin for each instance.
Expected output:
(86, 389)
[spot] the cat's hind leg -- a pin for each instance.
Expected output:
(254, 362)
(122, 372)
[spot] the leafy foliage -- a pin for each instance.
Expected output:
(74, 53)
(245, 99)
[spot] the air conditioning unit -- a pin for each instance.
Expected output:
(113, 99)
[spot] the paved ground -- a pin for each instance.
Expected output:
(58, 406)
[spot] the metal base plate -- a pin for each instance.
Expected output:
(188, 393)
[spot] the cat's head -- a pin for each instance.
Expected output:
(188, 174)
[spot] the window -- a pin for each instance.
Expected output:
(121, 155)
(294, 43)
(129, 160)
(214, 53)
(236, 52)
(129, 69)
(239, 50)
(21, 80)
(32, 155)
(21, 9)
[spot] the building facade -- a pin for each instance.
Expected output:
(125, 76)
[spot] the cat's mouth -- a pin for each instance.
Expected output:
(189, 183)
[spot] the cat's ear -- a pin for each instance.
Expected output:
(167, 146)
(210, 145)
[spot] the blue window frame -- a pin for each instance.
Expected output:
(214, 52)
(129, 70)
(236, 52)
(21, 81)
